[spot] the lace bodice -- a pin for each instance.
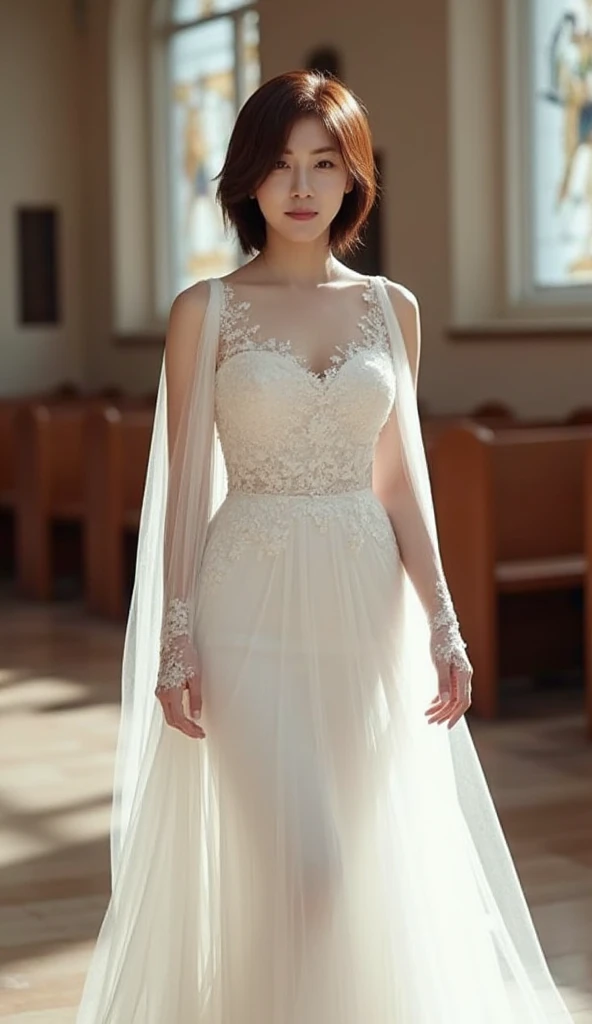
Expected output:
(299, 449)
(285, 429)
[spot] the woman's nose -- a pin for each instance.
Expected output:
(301, 185)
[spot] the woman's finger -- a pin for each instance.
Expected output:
(459, 714)
(453, 710)
(436, 706)
(165, 708)
(178, 718)
(194, 694)
(441, 714)
(438, 719)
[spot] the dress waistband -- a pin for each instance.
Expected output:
(349, 493)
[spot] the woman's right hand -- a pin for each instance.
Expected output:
(179, 711)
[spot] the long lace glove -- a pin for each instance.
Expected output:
(448, 651)
(179, 670)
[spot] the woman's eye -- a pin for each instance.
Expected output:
(279, 164)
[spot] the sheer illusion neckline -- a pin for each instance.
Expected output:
(239, 334)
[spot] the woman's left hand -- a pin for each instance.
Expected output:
(454, 689)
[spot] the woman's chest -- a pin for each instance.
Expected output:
(271, 394)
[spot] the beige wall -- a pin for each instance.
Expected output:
(40, 155)
(396, 57)
(135, 369)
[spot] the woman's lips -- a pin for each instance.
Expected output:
(302, 216)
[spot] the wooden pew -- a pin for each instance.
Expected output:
(9, 408)
(117, 449)
(486, 415)
(588, 587)
(493, 414)
(509, 506)
(579, 416)
(48, 448)
(54, 460)
(8, 411)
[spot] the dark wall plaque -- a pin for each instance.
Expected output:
(325, 59)
(37, 262)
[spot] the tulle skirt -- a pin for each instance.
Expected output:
(324, 855)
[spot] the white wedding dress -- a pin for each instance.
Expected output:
(323, 856)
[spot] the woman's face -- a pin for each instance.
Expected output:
(310, 176)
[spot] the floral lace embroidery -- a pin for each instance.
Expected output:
(281, 435)
(298, 445)
(264, 522)
(237, 334)
(175, 668)
(447, 643)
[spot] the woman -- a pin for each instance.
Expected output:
(302, 843)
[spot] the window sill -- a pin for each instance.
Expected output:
(148, 338)
(522, 330)
(488, 330)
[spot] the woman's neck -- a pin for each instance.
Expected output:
(297, 270)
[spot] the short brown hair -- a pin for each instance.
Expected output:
(259, 138)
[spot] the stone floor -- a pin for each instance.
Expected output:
(59, 683)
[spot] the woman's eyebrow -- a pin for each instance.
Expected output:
(315, 152)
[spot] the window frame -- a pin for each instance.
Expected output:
(163, 28)
(523, 293)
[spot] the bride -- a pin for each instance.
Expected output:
(302, 832)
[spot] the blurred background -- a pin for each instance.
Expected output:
(114, 120)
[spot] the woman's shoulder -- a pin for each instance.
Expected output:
(406, 308)
(192, 300)
(403, 299)
(186, 317)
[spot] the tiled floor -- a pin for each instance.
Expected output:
(59, 683)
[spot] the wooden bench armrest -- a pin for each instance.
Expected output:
(540, 573)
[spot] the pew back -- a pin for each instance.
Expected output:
(588, 583)
(8, 411)
(65, 460)
(509, 507)
(136, 432)
(118, 444)
(538, 485)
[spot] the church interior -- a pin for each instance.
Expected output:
(115, 115)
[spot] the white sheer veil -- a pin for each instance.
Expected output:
(505, 909)
(183, 490)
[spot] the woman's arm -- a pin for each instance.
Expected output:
(179, 666)
(420, 557)
(390, 482)
(183, 336)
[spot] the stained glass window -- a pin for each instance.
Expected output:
(213, 69)
(191, 10)
(561, 94)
